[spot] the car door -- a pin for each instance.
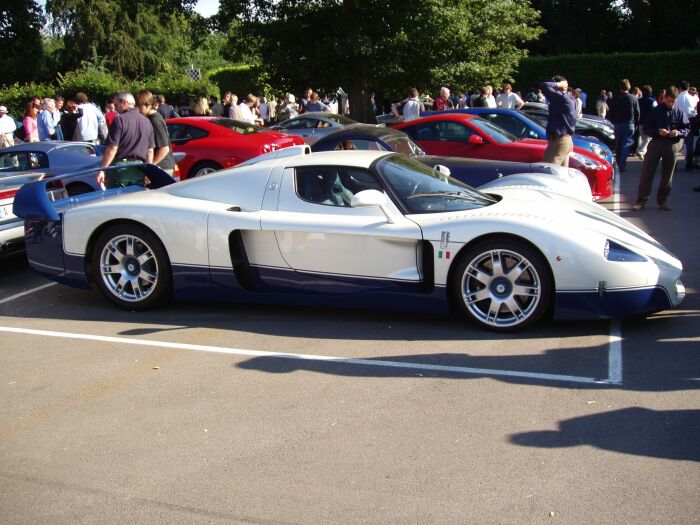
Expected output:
(326, 240)
(448, 138)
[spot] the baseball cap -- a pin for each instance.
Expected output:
(3, 109)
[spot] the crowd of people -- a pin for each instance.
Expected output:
(632, 111)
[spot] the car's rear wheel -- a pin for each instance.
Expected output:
(131, 267)
(204, 168)
(502, 284)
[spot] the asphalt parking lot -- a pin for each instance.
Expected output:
(221, 413)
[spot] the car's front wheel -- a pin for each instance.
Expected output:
(204, 168)
(131, 267)
(502, 284)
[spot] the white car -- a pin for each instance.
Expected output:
(355, 229)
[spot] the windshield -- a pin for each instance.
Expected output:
(404, 144)
(236, 125)
(340, 119)
(425, 190)
(500, 135)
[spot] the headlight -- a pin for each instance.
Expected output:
(617, 253)
(586, 161)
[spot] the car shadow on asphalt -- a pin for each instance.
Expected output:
(664, 434)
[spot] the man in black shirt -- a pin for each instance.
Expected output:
(624, 114)
(666, 126)
(162, 154)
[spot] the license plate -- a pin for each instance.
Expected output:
(6, 212)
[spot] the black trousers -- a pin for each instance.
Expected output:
(665, 151)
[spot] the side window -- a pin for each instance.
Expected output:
(360, 144)
(453, 131)
(427, 131)
(302, 123)
(38, 159)
(196, 133)
(15, 161)
(176, 131)
(509, 123)
(333, 186)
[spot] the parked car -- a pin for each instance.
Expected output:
(353, 229)
(587, 126)
(475, 172)
(313, 125)
(523, 126)
(51, 156)
(470, 136)
(214, 143)
(64, 186)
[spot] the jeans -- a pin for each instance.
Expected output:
(689, 148)
(624, 140)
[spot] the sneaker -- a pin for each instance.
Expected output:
(664, 207)
(638, 207)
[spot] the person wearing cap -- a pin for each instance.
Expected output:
(561, 122)
(7, 128)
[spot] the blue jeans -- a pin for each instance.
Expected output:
(689, 148)
(624, 139)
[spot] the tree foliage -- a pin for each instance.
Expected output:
(135, 38)
(20, 41)
(386, 45)
(592, 26)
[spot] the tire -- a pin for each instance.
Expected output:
(131, 267)
(502, 284)
(203, 168)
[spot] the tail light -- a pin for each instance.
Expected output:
(176, 173)
(8, 194)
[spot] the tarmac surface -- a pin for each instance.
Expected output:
(224, 413)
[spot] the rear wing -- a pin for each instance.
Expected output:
(46, 198)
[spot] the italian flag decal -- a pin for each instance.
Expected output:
(442, 254)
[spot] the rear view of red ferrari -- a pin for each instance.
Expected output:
(214, 143)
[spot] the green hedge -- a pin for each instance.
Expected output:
(242, 80)
(101, 85)
(604, 71)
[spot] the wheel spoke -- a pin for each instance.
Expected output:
(514, 308)
(113, 268)
(527, 291)
(492, 314)
(150, 278)
(475, 297)
(520, 268)
(145, 257)
(114, 249)
(478, 275)
(130, 246)
(497, 264)
(136, 287)
(119, 288)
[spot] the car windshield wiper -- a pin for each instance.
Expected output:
(445, 194)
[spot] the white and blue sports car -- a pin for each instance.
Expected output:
(353, 229)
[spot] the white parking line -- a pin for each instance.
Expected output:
(308, 357)
(27, 292)
(615, 338)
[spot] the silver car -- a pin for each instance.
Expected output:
(313, 125)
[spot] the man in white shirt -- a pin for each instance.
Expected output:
(508, 99)
(246, 111)
(88, 124)
(688, 104)
(7, 129)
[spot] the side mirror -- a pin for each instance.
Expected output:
(533, 135)
(372, 199)
(475, 139)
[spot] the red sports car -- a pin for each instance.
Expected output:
(460, 135)
(214, 143)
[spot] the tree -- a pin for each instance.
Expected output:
(20, 41)
(385, 45)
(135, 38)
